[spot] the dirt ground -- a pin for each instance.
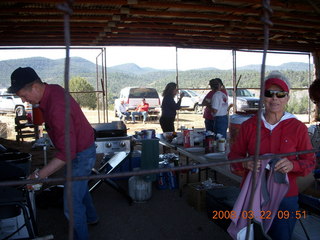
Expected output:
(184, 118)
(187, 119)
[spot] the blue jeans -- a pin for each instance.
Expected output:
(282, 229)
(221, 125)
(144, 114)
(83, 208)
(124, 115)
(209, 124)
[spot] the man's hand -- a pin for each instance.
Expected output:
(36, 186)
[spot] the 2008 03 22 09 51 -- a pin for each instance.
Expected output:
(261, 214)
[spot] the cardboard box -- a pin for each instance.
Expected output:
(221, 199)
(193, 177)
(196, 196)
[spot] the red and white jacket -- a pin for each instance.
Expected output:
(289, 135)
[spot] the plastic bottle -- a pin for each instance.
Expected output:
(192, 138)
(186, 138)
(221, 144)
(209, 144)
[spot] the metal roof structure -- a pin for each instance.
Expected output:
(213, 24)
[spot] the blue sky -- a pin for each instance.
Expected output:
(161, 57)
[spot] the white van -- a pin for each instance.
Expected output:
(133, 96)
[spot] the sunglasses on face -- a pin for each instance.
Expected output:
(278, 94)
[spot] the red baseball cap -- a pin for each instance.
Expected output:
(277, 81)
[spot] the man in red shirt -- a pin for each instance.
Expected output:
(26, 83)
(142, 109)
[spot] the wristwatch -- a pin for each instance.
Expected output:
(36, 173)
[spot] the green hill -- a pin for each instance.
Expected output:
(130, 74)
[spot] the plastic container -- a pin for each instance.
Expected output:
(150, 157)
(208, 144)
(221, 145)
(37, 117)
(139, 189)
(188, 138)
(135, 160)
(235, 122)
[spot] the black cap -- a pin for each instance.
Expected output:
(21, 77)
(214, 81)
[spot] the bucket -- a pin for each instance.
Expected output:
(14, 165)
(139, 189)
(235, 122)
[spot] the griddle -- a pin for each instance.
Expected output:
(112, 129)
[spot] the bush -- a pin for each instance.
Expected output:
(78, 85)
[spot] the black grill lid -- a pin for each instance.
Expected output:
(113, 129)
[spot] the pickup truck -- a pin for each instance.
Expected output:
(245, 100)
(132, 96)
(13, 104)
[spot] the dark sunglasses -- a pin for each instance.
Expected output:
(278, 94)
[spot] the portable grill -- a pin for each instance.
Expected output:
(111, 138)
(112, 141)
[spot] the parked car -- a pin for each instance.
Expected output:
(10, 103)
(246, 101)
(133, 96)
(191, 101)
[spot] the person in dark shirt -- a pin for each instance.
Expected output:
(169, 107)
(314, 94)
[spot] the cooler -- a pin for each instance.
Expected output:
(221, 199)
(150, 157)
(235, 122)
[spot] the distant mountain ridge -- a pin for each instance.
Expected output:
(130, 74)
(131, 68)
(82, 66)
(134, 68)
(294, 66)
